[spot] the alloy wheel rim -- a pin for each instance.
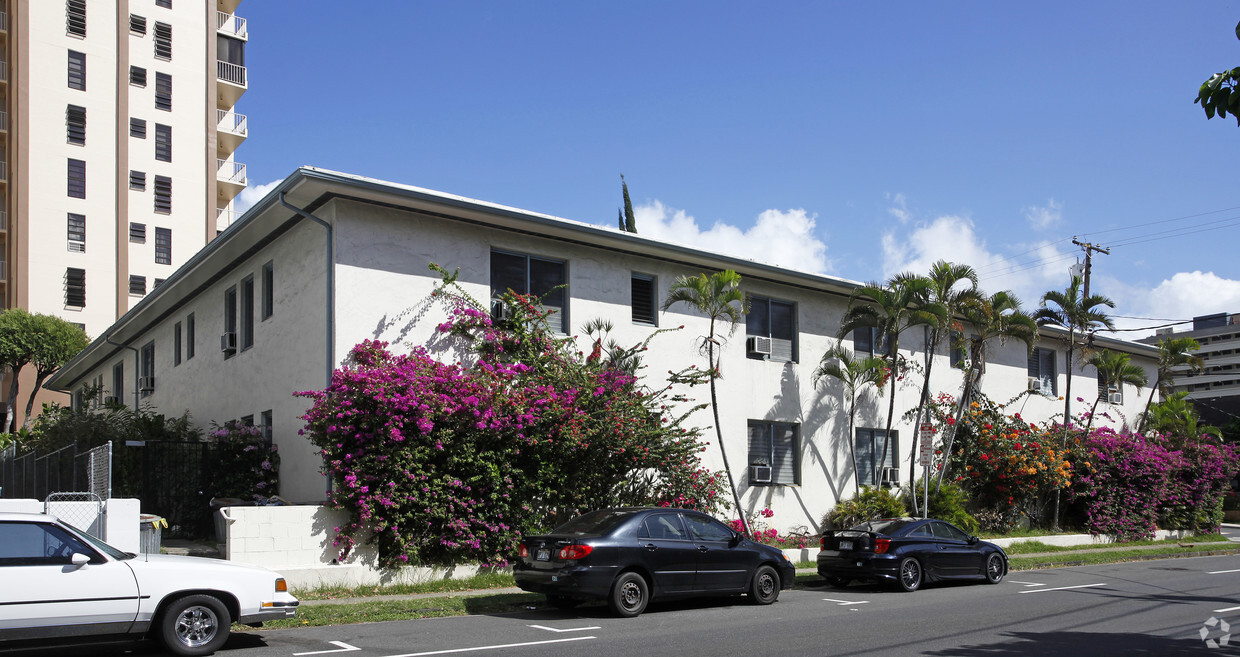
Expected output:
(912, 574)
(995, 567)
(196, 626)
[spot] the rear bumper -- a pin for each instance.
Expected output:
(581, 582)
(858, 565)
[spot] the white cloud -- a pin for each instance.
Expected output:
(777, 237)
(1042, 218)
(253, 194)
(900, 208)
(1183, 296)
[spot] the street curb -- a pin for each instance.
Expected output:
(1140, 557)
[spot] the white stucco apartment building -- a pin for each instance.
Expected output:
(326, 260)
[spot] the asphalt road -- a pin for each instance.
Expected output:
(1145, 608)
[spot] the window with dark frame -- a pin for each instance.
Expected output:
(269, 290)
(77, 70)
(137, 284)
(775, 321)
(137, 128)
(75, 124)
(230, 317)
(266, 424)
(866, 340)
(137, 24)
(541, 277)
(137, 180)
(163, 246)
(157, 283)
(163, 195)
(176, 344)
(644, 299)
(163, 92)
(163, 142)
(77, 178)
(189, 336)
(163, 40)
(957, 349)
(247, 312)
(77, 233)
(775, 445)
(137, 233)
(1042, 374)
(75, 287)
(137, 76)
(75, 17)
(118, 381)
(870, 443)
(166, 4)
(148, 367)
(1105, 390)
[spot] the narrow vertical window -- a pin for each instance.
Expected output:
(163, 142)
(163, 92)
(163, 197)
(77, 233)
(189, 336)
(75, 17)
(77, 70)
(176, 344)
(77, 178)
(163, 40)
(265, 423)
(163, 246)
(75, 124)
(228, 343)
(269, 290)
(643, 299)
(146, 382)
(75, 287)
(247, 312)
(118, 382)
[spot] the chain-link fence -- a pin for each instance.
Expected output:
(80, 509)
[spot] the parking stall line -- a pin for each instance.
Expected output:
(843, 603)
(340, 645)
(1220, 611)
(1220, 572)
(1064, 588)
(567, 629)
(495, 647)
(1027, 584)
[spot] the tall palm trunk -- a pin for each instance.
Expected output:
(714, 405)
(891, 407)
(921, 408)
(852, 442)
(1148, 402)
(1067, 420)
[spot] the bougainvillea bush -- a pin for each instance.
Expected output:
(249, 464)
(446, 463)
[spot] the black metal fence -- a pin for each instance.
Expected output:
(35, 476)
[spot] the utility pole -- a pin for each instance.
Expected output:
(1089, 249)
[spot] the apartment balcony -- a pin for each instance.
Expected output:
(4, 121)
(4, 172)
(231, 178)
(4, 272)
(4, 71)
(227, 6)
(224, 217)
(4, 21)
(4, 221)
(230, 83)
(231, 25)
(231, 129)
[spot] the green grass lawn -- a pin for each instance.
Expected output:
(1030, 547)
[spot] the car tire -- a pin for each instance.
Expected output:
(838, 582)
(910, 575)
(995, 568)
(629, 595)
(194, 625)
(562, 601)
(764, 589)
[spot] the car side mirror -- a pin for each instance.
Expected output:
(78, 559)
(736, 539)
(973, 540)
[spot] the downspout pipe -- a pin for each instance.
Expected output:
(331, 288)
(137, 368)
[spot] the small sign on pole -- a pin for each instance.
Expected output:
(926, 445)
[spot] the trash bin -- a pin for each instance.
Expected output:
(150, 533)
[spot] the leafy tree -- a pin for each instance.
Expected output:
(55, 342)
(1171, 354)
(891, 308)
(840, 363)
(1114, 369)
(18, 346)
(720, 299)
(1221, 93)
(1080, 315)
(1176, 416)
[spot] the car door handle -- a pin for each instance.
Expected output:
(942, 547)
(651, 547)
(703, 548)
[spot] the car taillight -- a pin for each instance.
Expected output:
(575, 551)
(823, 542)
(522, 551)
(881, 545)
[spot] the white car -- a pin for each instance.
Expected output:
(57, 583)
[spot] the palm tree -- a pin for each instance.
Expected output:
(1078, 314)
(854, 373)
(1171, 353)
(1114, 369)
(890, 309)
(720, 299)
(997, 317)
(1176, 416)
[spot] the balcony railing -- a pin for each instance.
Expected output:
(4, 220)
(229, 72)
(4, 121)
(4, 270)
(225, 215)
(229, 171)
(4, 71)
(4, 21)
(230, 121)
(4, 171)
(230, 24)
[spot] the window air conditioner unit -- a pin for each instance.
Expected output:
(891, 476)
(1115, 398)
(758, 346)
(760, 474)
(111, 400)
(228, 343)
(146, 384)
(499, 311)
(77, 247)
(1035, 384)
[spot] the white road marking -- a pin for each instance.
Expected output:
(499, 647)
(1027, 584)
(1219, 611)
(1220, 572)
(1063, 588)
(344, 647)
(568, 629)
(848, 602)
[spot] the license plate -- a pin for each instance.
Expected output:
(846, 545)
(543, 555)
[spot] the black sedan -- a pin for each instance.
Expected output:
(629, 556)
(908, 553)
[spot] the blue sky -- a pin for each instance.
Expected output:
(852, 139)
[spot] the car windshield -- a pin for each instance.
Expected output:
(888, 526)
(102, 547)
(594, 523)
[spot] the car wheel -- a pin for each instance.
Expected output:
(994, 569)
(629, 595)
(764, 589)
(838, 582)
(910, 574)
(194, 625)
(562, 602)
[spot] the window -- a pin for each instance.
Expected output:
(137, 233)
(1042, 377)
(229, 345)
(176, 344)
(707, 530)
(870, 462)
(137, 128)
(158, 282)
(77, 233)
(166, 4)
(1110, 392)
(75, 287)
(663, 527)
(163, 198)
(163, 40)
(265, 422)
(774, 320)
(163, 246)
(137, 76)
(163, 92)
(866, 341)
(957, 349)
(118, 381)
(137, 24)
(163, 142)
(189, 336)
(775, 444)
(137, 180)
(75, 17)
(230, 50)
(75, 124)
(40, 544)
(77, 70)
(147, 371)
(137, 285)
(247, 312)
(541, 277)
(644, 299)
(269, 290)
(77, 178)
